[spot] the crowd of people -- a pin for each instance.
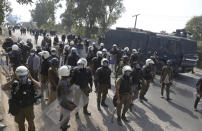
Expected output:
(58, 65)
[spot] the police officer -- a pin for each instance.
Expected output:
(137, 78)
(105, 54)
(82, 77)
(115, 54)
(166, 79)
(63, 38)
(126, 51)
(53, 79)
(148, 76)
(53, 53)
(122, 63)
(134, 56)
(155, 59)
(15, 57)
(90, 56)
(44, 74)
(64, 96)
(124, 93)
(101, 46)
(95, 49)
(22, 99)
(56, 40)
(7, 45)
(103, 82)
(29, 44)
(199, 93)
(33, 63)
(73, 57)
(96, 62)
(66, 53)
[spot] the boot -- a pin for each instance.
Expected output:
(98, 107)
(131, 107)
(77, 115)
(65, 128)
(119, 121)
(196, 103)
(145, 99)
(85, 111)
(103, 104)
(123, 117)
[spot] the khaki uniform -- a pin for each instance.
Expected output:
(125, 99)
(166, 77)
(86, 91)
(28, 114)
(102, 91)
(52, 76)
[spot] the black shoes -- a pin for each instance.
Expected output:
(65, 128)
(98, 107)
(103, 104)
(119, 122)
(87, 113)
(124, 118)
(145, 99)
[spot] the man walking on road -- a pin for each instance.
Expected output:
(166, 79)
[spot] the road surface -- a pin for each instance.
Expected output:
(155, 115)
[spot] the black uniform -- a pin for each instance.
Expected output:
(21, 104)
(72, 59)
(82, 77)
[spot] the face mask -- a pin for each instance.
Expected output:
(31, 53)
(23, 79)
(53, 53)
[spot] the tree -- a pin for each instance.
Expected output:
(195, 27)
(94, 15)
(44, 12)
(5, 7)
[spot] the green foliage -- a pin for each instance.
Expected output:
(4, 9)
(44, 12)
(92, 14)
(195, 27)
(24, 1)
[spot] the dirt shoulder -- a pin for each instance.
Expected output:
(7, 118)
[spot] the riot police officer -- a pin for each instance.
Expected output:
(64, 96)
(124, 93)
(15, 57)
(53, 79)
(73, 57)
(137, 78)
(103, 82)
(82, 77)
(23, 98)
(148, 76)
(44, 74)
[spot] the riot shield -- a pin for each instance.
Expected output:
(54, 115)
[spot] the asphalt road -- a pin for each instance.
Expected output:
(155, 115)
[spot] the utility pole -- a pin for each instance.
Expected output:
(135, 19)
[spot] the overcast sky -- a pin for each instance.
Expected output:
(155, 15)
